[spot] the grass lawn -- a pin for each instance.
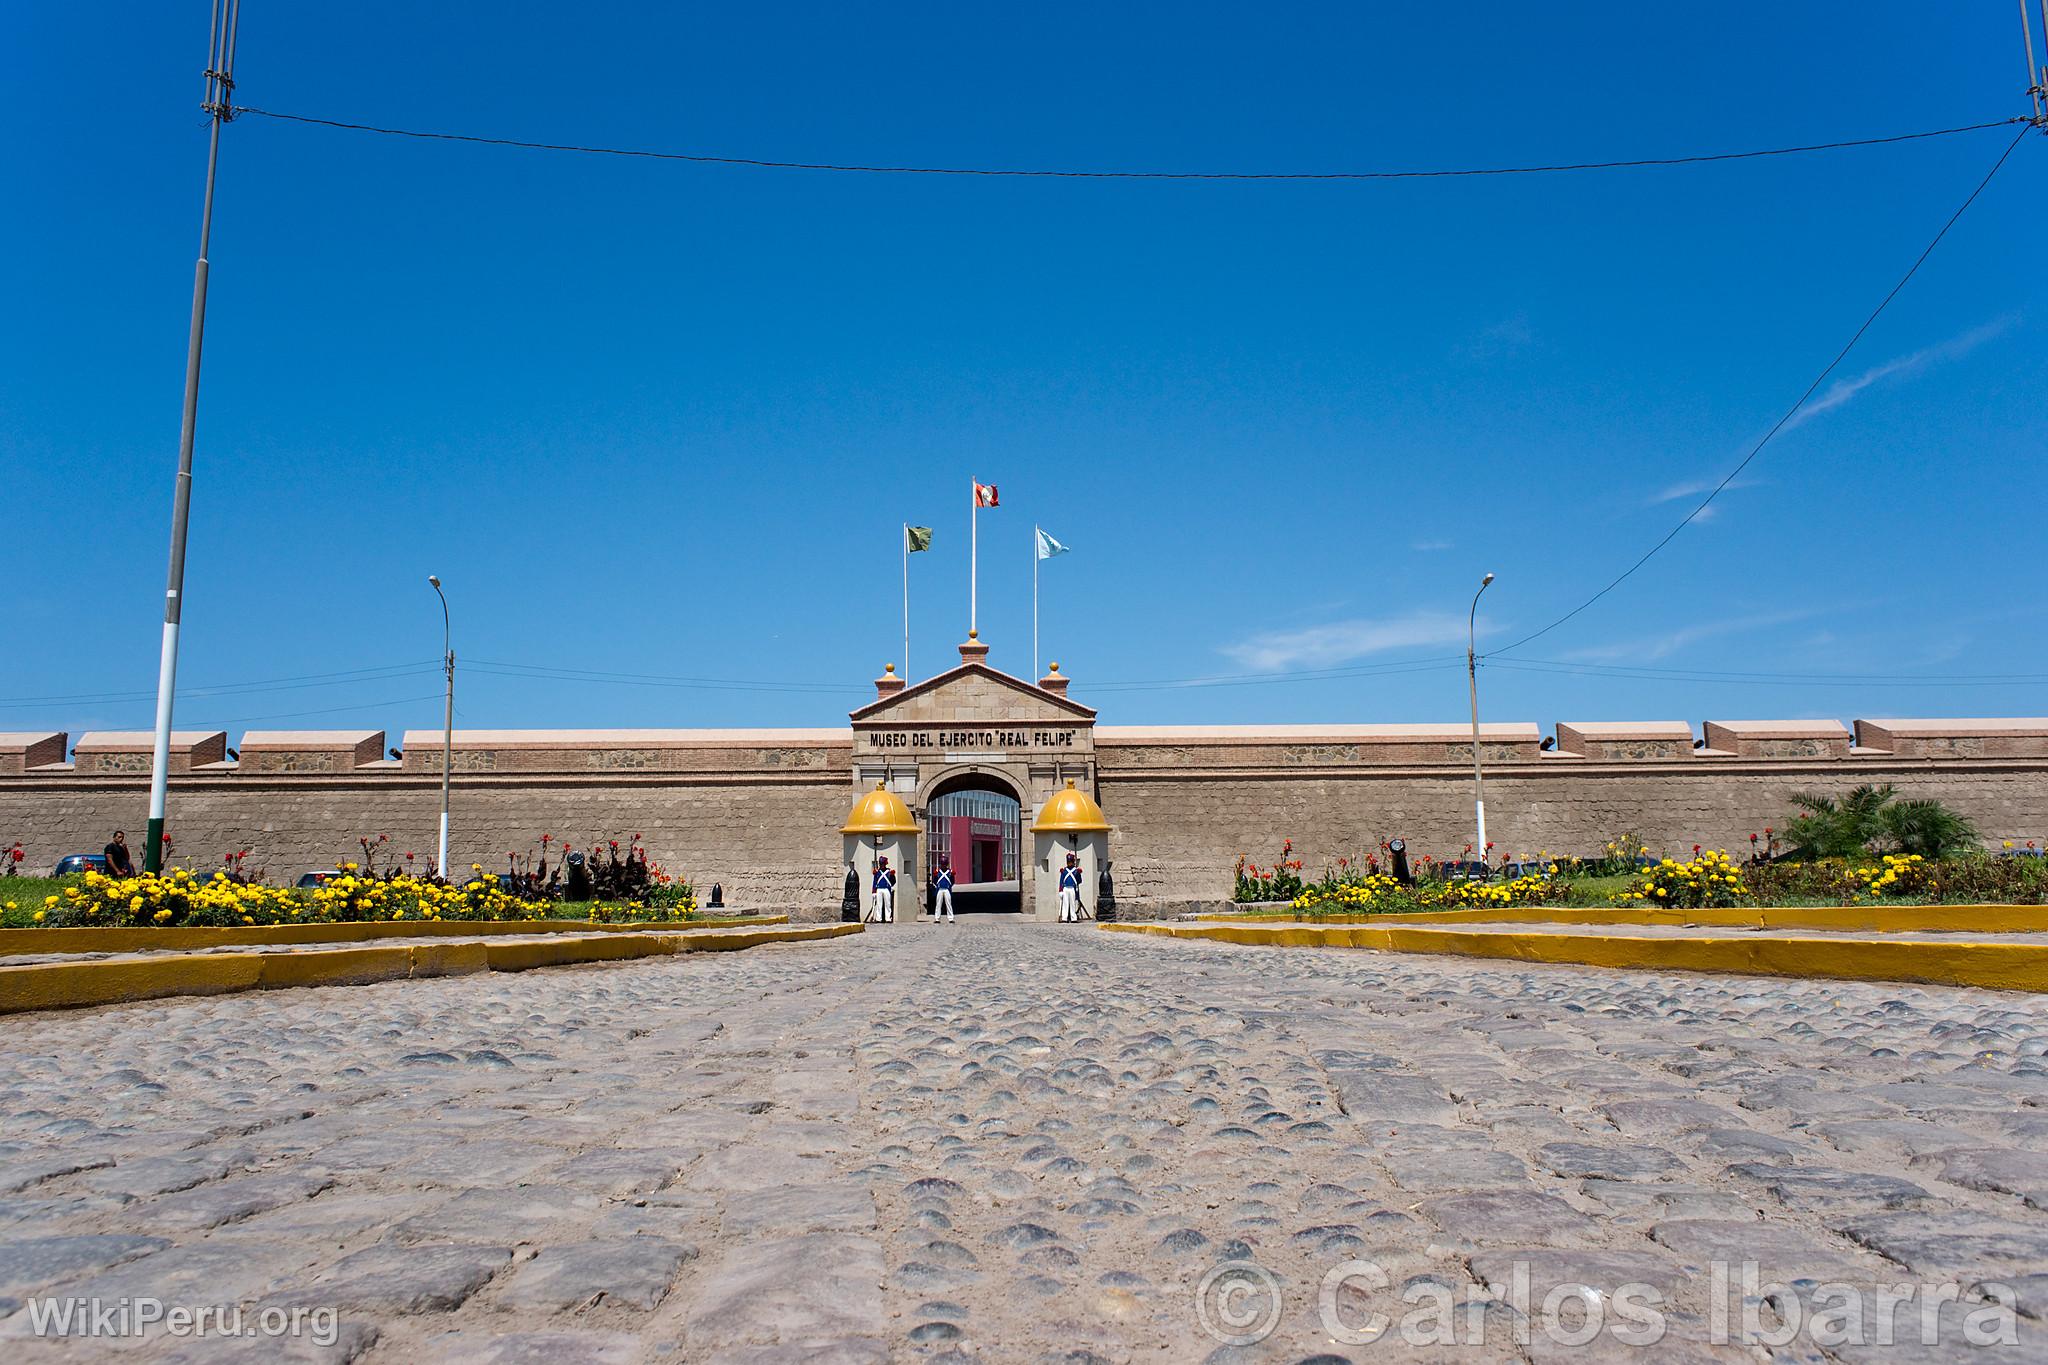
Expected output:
(21, 897)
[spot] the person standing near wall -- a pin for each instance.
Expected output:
(1070, 890)
(885, 891)
(942, 889)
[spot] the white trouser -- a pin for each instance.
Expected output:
(942, 904)
(1069, 904)
(885, 904)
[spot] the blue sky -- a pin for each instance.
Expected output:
(655, 419)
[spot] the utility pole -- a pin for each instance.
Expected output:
(1472, 675)
(2037, 71)
(220, 89)
(447, 724)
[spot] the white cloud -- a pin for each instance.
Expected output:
(1649, 649)
(1842, 390)
(1340, 642)
(1697, 488)
(1506, 337)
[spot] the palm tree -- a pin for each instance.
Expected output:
(1870, 819)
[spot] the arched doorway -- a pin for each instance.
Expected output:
(975, 820)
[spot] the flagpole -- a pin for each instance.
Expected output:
(906, 601)
(1034, 601)
(973, 556)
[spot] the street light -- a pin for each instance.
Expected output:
(448, 724)
(1472, 675)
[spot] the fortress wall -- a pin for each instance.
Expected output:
(772, 845)
(759, 811)
(1186, 805)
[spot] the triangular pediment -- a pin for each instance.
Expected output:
(972, 694)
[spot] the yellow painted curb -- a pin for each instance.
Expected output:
(450, 959)
(127, 939)
(524, 955)
(60, 985)
(1992, 966)
(55, 985)
(1881, 919)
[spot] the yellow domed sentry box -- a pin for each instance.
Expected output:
(1069, 824)
(881, 826)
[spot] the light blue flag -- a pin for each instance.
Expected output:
(1047, 546)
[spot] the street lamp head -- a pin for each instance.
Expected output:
(437, 582)
(1486, 580)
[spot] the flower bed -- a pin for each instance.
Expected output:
(1376, 893)
(182, 897)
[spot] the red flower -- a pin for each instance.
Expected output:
(1695, 850)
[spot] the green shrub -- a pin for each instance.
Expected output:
(1871, 819)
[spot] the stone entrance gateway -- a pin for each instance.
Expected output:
(975, 821)
(975, 755)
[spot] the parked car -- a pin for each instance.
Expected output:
(308, 880)
(75, 863)
(1471, 870)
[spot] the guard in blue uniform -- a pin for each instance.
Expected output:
(885, 891)
(1070, 890)
(942, 888)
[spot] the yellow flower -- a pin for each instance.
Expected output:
(39, 913)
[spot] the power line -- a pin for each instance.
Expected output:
(303, 680)
(329, 711)
(1790, 412)
(1721, 681)
(554, 674)
(1304, 675)
(762, 163)
(1587, 666)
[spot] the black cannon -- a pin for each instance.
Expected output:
(1105, 895)
(578, 888)
(849, 900)
(1398, 850)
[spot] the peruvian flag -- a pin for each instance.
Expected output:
(984, 495)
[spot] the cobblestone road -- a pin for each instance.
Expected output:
(1005, 1142)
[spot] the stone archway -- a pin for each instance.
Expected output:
(975, 818)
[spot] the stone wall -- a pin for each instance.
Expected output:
(1178, 834)
(759, 810)
(772, 845)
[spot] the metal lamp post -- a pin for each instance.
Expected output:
(447, 724)
(1472, 676)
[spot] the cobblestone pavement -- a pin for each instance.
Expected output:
(1007, 1142)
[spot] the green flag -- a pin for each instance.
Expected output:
(917, 538)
